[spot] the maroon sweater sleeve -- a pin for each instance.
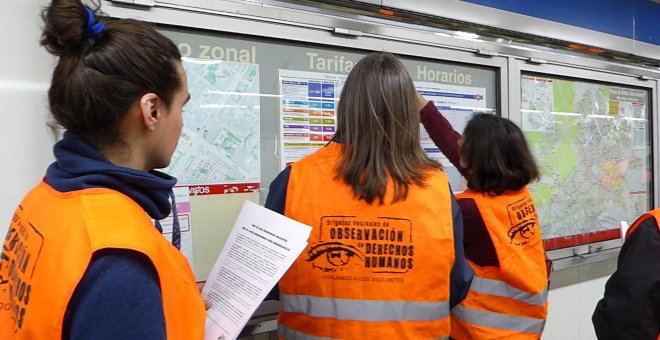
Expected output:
(478, 246)
(442, 134)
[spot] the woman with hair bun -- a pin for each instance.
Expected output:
(85, 256)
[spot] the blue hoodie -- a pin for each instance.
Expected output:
(119, 295)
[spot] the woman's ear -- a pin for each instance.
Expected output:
(150, 110)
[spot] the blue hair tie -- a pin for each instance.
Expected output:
(93, 29)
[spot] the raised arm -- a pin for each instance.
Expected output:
(441, 132)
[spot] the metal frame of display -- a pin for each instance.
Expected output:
(325, 27)
(604, 250)
(358, 32)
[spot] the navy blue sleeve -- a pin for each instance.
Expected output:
(118, 298)
(276, 199)
(461, 274)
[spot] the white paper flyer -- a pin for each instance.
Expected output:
(261, 247)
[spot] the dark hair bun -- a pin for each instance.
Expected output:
(65, 26)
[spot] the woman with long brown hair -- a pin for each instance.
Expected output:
(385, 257)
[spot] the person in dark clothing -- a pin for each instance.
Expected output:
(100, 268)
(630, 307)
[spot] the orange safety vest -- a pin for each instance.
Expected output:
(370, 271)
(50, 243)
(653, 213)
(509, 301)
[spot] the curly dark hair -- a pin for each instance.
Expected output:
(496, 155)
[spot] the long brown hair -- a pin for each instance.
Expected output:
(496, 155)
(100, 74)
(378, 126)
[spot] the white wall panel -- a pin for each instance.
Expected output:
(25, 71)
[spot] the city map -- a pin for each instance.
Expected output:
(592, 145)
(220, 138)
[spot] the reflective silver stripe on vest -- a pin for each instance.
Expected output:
(290, 334)
(497, 320)
(365, 310)
(501, 288)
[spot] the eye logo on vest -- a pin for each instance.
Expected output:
(524, 222)
(337, 255)
(354, 245)
(20, 253)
